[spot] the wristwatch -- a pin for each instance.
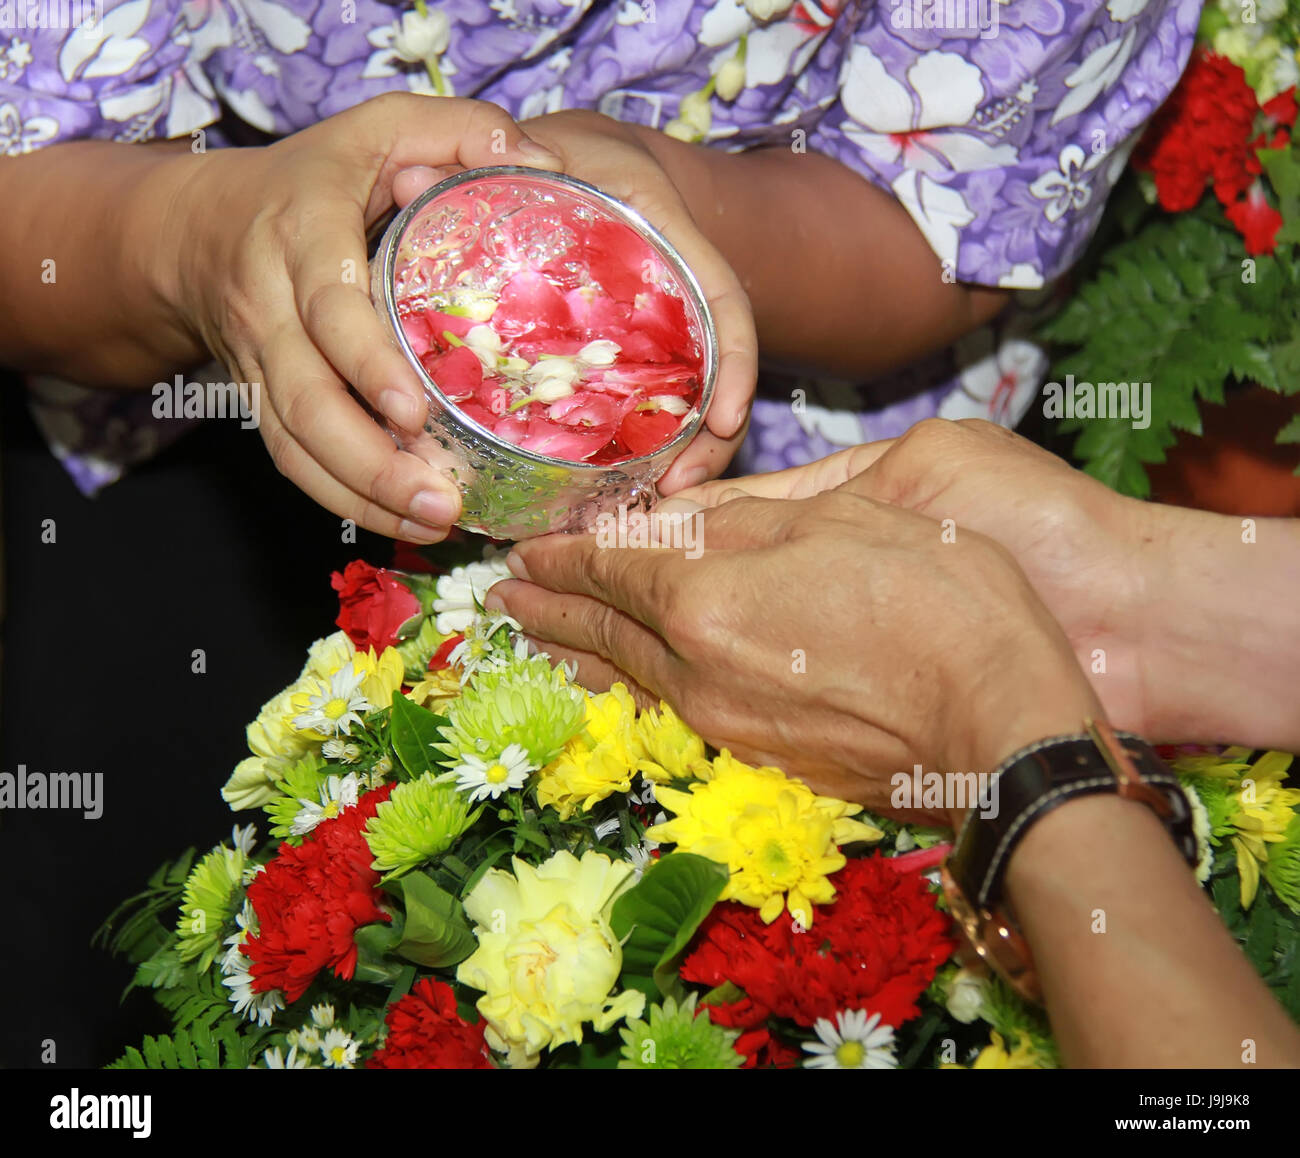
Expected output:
(1028, 785)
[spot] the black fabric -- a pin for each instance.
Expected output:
(206, 547)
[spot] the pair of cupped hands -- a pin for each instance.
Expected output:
(921, 601)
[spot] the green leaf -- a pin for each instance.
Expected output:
(658, 916)
(436, 934)
(1291, 431)
(411, 730)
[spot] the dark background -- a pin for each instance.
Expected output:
(207, 546)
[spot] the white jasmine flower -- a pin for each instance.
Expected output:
(599, 353)
(670, 404)
(422, 37)
(337, 705)
(854, 1042)
(485, 343)
(557, 369)
(483, 780)
(966, 996)
(322, 1016)
(551, 390)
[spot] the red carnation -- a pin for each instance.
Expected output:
(373, 604)
(426, 1033)
(310, 901)
(876, 948)
(1201, 133)
(1256, 220)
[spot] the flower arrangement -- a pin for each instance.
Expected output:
(475, 863)
(1194, 275)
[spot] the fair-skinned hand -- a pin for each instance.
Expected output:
(609, 155)
(271, 275)
(835, 636)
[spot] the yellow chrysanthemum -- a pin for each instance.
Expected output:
(547, 959)
(600, 760)
(996, 1056)
(1262, 807)
(778, 838)
(436, 690)
(673, 750)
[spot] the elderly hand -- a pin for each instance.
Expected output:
(840, 638)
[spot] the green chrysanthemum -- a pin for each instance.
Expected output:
(419, 821)
(527, 702)
(1283, 868)
(213, 892)
(301, 782)
(418, 650)
(675, 1039)
(1217, 796)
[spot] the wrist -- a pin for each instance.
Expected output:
(1219, 644)
(159, 232)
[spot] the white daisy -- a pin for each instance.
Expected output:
(477, 651)
(339, 1050)
(273, 1059)
(606, 828)
(855, 1042)
(342, 750)
(336, 794)
(337, 706)
(244, 838)
(484, 780)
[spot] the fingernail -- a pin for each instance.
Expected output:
(516, 564)
(399, 407)
(435, 507)
(493, 602)
(692, 477)
(419, 533)
(738, 419)
(536, 152)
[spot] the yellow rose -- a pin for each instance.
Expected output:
(547, 958)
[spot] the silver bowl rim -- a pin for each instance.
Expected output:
(389, 246)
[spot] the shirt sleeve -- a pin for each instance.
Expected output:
(132, 75)
(1003, 140)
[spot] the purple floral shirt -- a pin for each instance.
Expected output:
(1001, 139)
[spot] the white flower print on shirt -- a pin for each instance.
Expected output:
(919, 124)
(1068, 188)
(20, 136)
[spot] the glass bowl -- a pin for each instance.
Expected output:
(525, 268)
